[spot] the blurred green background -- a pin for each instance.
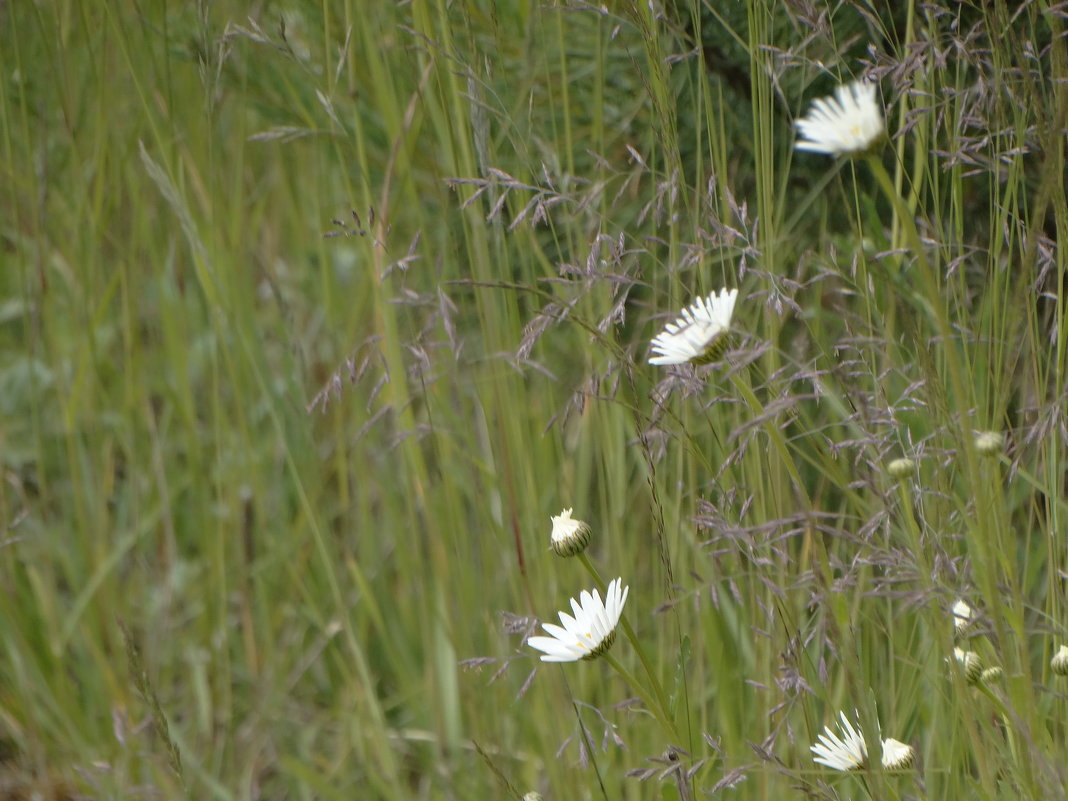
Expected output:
(312, 315)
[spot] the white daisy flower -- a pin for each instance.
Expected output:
(896, 754)
(841, 753)
(844, 124)
(990, 443)
(569, 536)
(590, 632)
(963, 617)
(699, 333)
(850, 752)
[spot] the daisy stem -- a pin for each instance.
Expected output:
(912, 526)
(1006, 718)
(1002, 709)
(815, 543)
(773, 433)
(905, 218)
(931, 284)
(653, 704)
(660, 708)
(1023, 473)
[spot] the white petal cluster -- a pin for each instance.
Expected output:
(844, 124)
(590, 632)
(849, 751)
(896, 754)
(698, 330)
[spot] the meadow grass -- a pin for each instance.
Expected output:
(312, 316)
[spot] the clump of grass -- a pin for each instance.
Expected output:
(311, 455)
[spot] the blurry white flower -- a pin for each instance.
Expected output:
(970, 662)
(698, 333)
(963, 617)
(569, 536)
(841, 753)
(850, 752)
(590, 632)
(990, 443)
(896, 754)
(1059, 663)
(844, 124)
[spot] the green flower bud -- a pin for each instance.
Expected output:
(1059, 663)
(901, 468)
(569, 536)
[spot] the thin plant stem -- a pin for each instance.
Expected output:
(659, 698)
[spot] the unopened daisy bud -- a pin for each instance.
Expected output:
(532, 797)
(963, 617)
(896, 754)
(970, 663)
(991, 675)
(1059, 663)
(901, 468)
(569, 536)
(989, 443)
